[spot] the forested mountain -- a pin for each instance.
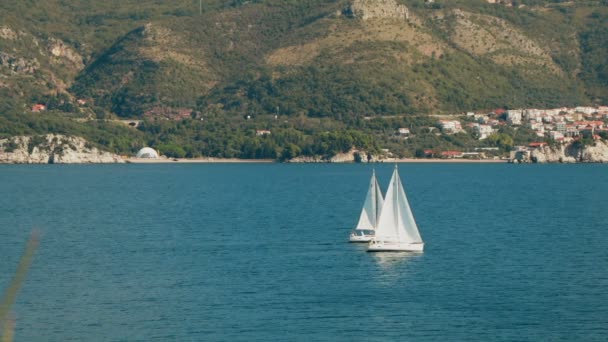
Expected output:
(305, 60)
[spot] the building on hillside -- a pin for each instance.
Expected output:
(556, 111)
(532, 114)
(561, 127)
(555, 135)
(514, 116)
(403, 131)
(481, 118)
(39, 107)
(548, 119)
(450, 126)
(586, 110)
(474, 155)
(572, 131)
(497, 112)
(261, 132)
(483, 131)
(452, 154)
(585, 124)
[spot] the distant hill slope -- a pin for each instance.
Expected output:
(319, 58)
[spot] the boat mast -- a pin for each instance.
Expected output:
(396, 201)
(375, 198)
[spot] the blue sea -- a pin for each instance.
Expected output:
(259, 252)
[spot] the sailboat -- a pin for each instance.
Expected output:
(369, 214)
(396, 230)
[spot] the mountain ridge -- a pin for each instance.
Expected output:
(327, 63)
(218, 47)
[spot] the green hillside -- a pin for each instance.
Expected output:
(317, 64)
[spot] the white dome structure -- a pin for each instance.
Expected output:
(147, 152)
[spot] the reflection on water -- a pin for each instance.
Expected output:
(393, 265)
(390, 260)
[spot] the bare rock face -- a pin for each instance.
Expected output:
(572, 153)
(18, 64)
(553, 154)
(62, 53)
(377, 9)
(598, 153)
(7, 33)
(352, 156)
(308, 159)
(52, 149)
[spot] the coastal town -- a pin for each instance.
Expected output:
(490, 136)
(561, 126)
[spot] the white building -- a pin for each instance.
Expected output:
(532, 114)
(555, 111)
(450, 126)
(483, 131)
(540, 131)
(549, 119)
(514, 116)
(555, 135)
(148, 153)
(535, 125)
(403, 131)
(586, 110)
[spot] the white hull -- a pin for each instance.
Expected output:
(386, 246)
(360, 238)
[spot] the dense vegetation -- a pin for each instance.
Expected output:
(290, 136)
(321, 74)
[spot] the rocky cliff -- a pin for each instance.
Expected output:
(352, 156)
(572, 153)
(52, 149)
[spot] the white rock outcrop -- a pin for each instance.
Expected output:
(63, 53)
(352, 156)
(596, 153)
(572, 153)
(52, 149)
(7, 33)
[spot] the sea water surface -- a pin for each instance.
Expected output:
(259, 252)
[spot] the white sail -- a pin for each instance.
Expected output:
(396, 222)
(371, 207)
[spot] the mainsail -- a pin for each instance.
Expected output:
(371, 207)
(396, 222)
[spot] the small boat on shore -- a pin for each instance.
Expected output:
(396, 230)
(364, 231)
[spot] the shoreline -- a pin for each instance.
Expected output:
(194, 160)
(269, 161)
(439, 160)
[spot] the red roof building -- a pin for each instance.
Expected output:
(537, 144)
(39, 107)
(451, 154)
